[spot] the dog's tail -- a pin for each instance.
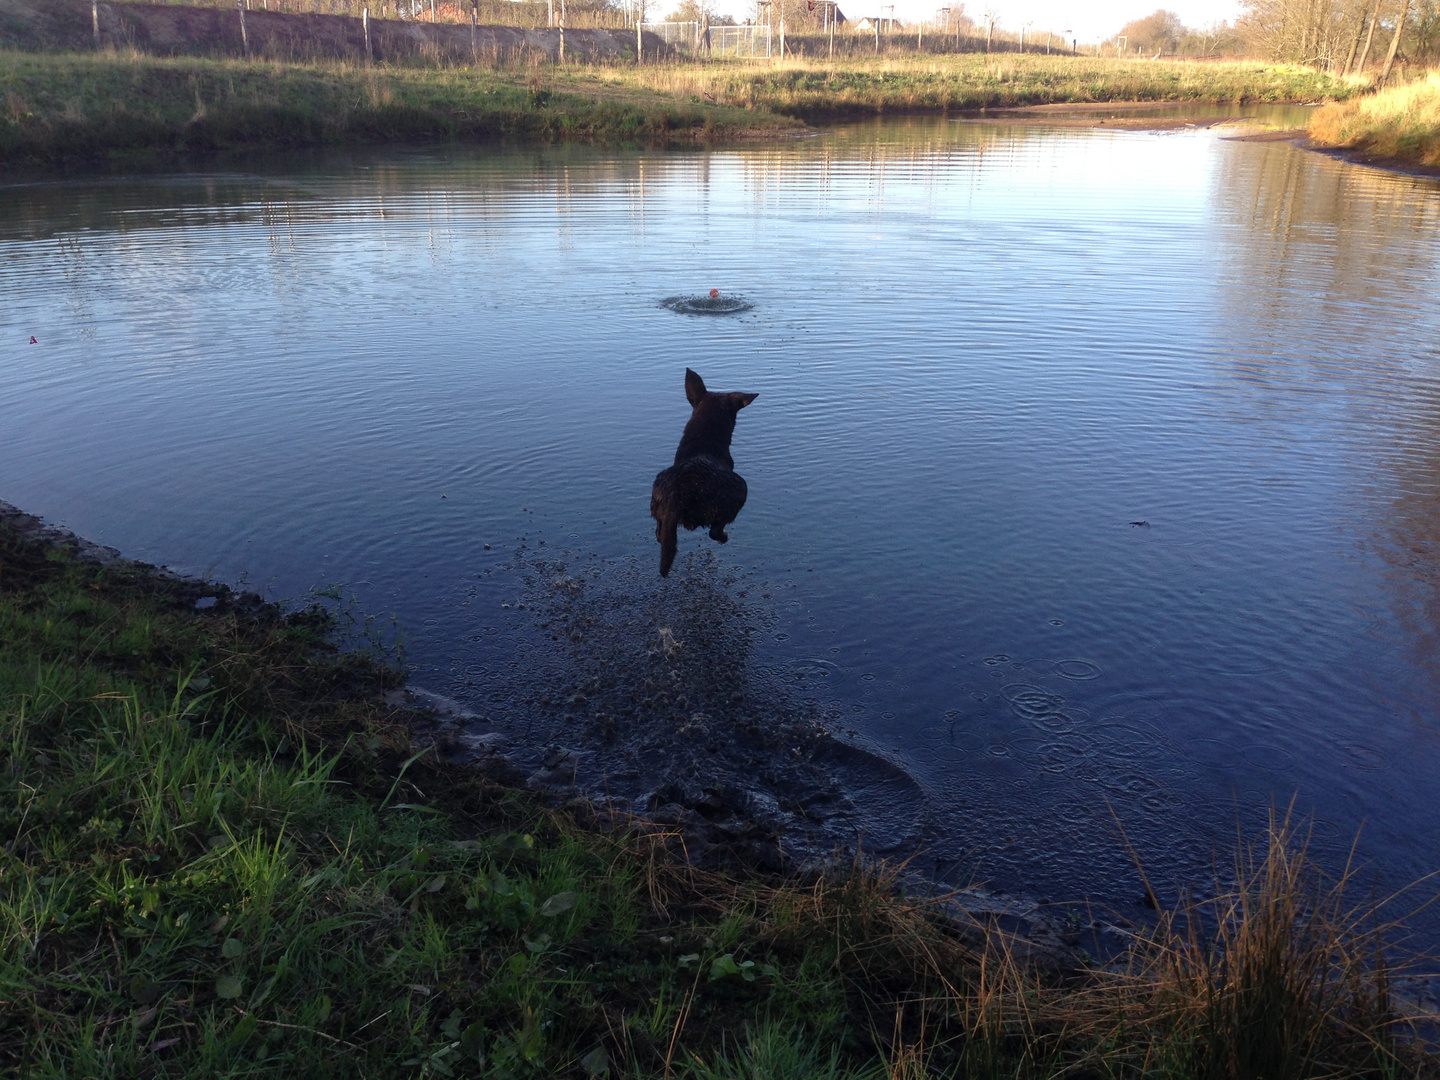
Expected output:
(665, 532)
(665, 509)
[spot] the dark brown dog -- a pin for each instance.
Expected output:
(702, 487)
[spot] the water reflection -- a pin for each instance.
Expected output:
(983, 351)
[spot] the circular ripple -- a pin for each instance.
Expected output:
(1362, 757)
(1032, 702)
(1062, 754)
(810, 668)
(707, 305)
(1265, 755)
(1062, 722)
(1076, 669)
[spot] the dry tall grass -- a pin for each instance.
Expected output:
(1402, 122)
(818, 88)
(1280, 975)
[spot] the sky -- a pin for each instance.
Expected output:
(1090, 22)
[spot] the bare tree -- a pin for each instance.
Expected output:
(1395, 41)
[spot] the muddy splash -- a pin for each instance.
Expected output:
(645, 694)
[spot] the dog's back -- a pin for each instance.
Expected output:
(702, 488)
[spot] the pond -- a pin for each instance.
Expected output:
(1094, 475)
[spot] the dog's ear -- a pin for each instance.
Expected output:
(694, 388)
(741, 400)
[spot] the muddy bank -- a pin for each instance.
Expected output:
(1117, 115)
(71, 25)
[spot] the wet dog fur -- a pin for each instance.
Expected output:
(702, 488)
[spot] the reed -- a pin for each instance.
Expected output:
(1399, 123)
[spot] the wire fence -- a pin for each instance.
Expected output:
(740, 40)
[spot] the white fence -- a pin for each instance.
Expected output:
(674, 33)
(740, 40)
(724, 40)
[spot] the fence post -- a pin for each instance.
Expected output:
(95, 20)
(244, 37)
(473, 57)
(365, 22)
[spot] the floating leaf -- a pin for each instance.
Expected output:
(232, 948)
(228, 987)
(596, 1062)
(558, 904)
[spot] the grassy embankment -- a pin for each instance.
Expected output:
(59, 107)
(224, 855)
(1401, 123)
(82, 106)
(817, 89)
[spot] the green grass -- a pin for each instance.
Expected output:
(818, 89)
(224, 855)
(57, 108)
(60, 108)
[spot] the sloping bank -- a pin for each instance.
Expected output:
(87, 107)
(228, 847)
(1397, 126)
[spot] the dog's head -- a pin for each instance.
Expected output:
(696, 394)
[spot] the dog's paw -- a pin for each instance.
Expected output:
(718, 534)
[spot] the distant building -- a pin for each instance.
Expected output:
(867, 25)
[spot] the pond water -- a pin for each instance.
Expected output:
(1092, 472)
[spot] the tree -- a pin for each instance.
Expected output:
(1160, 30)
(699, 11)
